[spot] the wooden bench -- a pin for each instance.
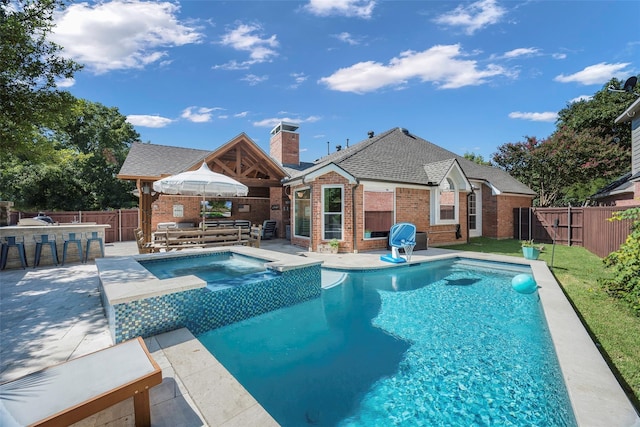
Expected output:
(210, 237)
(72, 391)
(144, 247)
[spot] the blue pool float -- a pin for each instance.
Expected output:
(524, 284)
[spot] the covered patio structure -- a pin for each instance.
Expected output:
(241, 159)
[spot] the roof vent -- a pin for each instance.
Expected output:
(405, 131)
(370, 133)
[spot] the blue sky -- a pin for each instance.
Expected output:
(468, 76)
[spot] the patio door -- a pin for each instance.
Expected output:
(475, 213)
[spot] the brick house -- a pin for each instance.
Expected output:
(354, 195)
(625, 191)
(241, 158)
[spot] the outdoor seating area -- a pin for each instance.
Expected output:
(41, 245)
(178, 239)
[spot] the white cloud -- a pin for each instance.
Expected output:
(595, 74)
(198, 114)
(581, 98)
(299, 78)
(248, 38)
(241, 114)
(148, 121)
(271, 122)
(547, 116)
(253, 80)
(62, 83)
(347, 38)
(120, 34)
(523, 51)
(440, 65)
(559, 56)
(473, 17)
(350, 8)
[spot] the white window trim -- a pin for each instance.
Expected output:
(341, 187)
(435, 205)
(295, 201)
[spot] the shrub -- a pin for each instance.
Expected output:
(625, 263)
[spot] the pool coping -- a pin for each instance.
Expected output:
(596, 396)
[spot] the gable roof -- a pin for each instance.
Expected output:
(147, 160)
(398, 156)
(240, 157)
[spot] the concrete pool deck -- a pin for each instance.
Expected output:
(51, 314)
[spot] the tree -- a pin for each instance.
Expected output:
(102, 136)
(30, 64)
(599, 114)
(586, 151)
(476, 158)
(92, 143)
(566, 163)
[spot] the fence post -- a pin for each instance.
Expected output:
(119, 225)
(569, 226)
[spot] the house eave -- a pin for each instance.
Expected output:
(630, 113)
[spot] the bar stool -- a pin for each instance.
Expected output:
(13, 242)
(45, 239)
(94, 236)
(72, 238)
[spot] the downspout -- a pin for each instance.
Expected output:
(354, 214)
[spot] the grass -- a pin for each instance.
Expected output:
(612, 325)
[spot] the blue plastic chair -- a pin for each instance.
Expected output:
(94, 236)
(13, 242)
(72, 238)
(45, 239)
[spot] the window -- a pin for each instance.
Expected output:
(473, 212)
(378, 213)
(332, 213)
(445, 203)
(302, 213)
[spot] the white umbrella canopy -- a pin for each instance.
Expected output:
(202, 182)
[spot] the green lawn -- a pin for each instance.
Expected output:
(612, 325)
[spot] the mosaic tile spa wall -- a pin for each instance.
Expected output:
(200, 310)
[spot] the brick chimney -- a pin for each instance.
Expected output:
(284, 145)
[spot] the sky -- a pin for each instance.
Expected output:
(468, 76)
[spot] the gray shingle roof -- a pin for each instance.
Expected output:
(151, 160)
(398, 156)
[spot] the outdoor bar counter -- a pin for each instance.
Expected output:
(59, 230)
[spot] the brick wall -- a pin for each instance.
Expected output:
(412, 205)
(504, 219)
(285, 147)
(259, 209)
(489, 213)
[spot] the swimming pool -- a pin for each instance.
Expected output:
(219, 270)
(443, 343)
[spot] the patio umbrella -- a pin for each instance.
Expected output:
(202, 182)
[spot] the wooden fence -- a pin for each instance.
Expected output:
(122, 221)
(587, 227)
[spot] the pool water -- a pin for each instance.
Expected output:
(437, 344)
(219, 270)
